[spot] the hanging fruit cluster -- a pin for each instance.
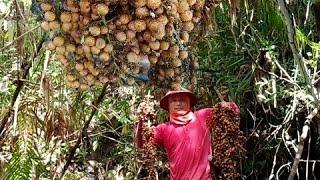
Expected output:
(98, 41)
(147, 116)
(227, 141)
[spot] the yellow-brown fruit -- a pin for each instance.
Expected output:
(104, 56)
(161, 78)
(111, 26)
(60, 56)
(159, 10)
(188, 26)
(184, 37)
(122, 27)
(164, 45)
(79, 67)
(86, 49)
(70, 77)
(102, 9)
(125, 18)
(104, 30)
(153, 4)
(153, 25)
(169, 30)
(83, 87)
(182, 6)
(83, 72)
(130, 34)
(84, 22)
(66, 27)
(58, 41)
(175, 85)
(75, 27)
(94, 30)
(163, 20)
(95, 50)
(183, 54)
(186, 16)
(73, 9)
(75, 17)
(160, 33)
(153, 59)
(100, 43)
(45, 26)
(139, 25)
(103, 79)
(95, 72)
(174, 51)
(142, 12)
(75, 84)
(172, 10)
(132, 57)
(176, 62)
(140, 3)
(79, 50)
(145, 48)
(108, 48)
(169, 73)
(65, 17)
(90, 79)
(49, 16)
(136, 70)
(155, 45)
(121, 36)
(147, 36)
(89, 56)
(191, 2)
(135, 50)
(90, 41)
(84, 6)
(46, 6)
(124, 68)
(70, 48)
(60, 50)
(50, 45)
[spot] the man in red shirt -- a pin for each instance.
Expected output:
(185, 136)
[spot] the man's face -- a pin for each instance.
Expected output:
(179, 102)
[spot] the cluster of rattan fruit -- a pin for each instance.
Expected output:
(227, 141)
(146, 116)
(99, 41)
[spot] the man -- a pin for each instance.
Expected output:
(185, 136)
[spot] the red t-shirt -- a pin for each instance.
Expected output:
(188, 147)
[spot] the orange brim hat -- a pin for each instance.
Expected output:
(164, 101)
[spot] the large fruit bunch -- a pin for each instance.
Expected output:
(146, 115)
(227, 141)
(98, 41)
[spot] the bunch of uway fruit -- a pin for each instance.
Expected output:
(101, 41)
(146, 115)
(227, 141)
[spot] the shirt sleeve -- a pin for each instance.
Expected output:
(205, 114)
(158, 135)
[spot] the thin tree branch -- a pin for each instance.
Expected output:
(303, 137)
(83, 132)
(25, 66)
(21, 36)
(294, 47)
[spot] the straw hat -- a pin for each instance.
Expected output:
(164, 101)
